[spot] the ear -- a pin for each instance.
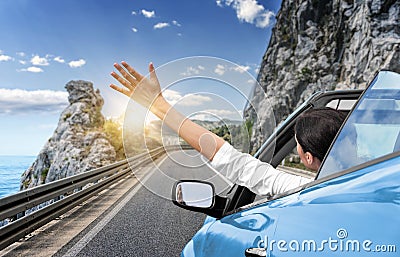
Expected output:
(309, 158)
(312, 161)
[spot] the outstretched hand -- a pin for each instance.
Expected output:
(144, 90)
(147, 92)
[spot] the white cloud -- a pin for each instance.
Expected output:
(133, 13)
(59, 59)
(5, 58)
(134, 29)
(264, 19)
(249, 11)
(14, 101)
(217, 114)
(22, 62)
(41, 61)
(161, 25)
(221, 113)
(176, 98)
(176, 23)
(21, 54)
(33, 69)
(220, 69)
(77, 64)
(194, 100)
(241, 68)
(193, 70)
(148, 14)
(172, 96)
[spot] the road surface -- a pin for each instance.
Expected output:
(145, 222)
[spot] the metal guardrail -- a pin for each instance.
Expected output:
(62, 195)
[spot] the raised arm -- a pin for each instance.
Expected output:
(147, 92)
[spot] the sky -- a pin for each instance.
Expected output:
(44, 44)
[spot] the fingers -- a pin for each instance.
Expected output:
(152, 72)
(129, 77)
(132, 71)
(132, 81)
(127, 80)
(121, 90)
(124, 82)
(151, 67)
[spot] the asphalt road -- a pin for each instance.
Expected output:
(145, 222)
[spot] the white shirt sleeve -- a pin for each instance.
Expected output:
(260, 177)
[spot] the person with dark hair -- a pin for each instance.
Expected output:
(314, 132)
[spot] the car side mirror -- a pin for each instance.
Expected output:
(198, 196)
(194, 194)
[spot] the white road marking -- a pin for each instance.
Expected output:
(75, 250)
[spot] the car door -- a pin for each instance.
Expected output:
(353, 214)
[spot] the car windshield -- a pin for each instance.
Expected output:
(373, 128)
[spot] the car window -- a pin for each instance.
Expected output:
(342, 104)
(292, 164)
(373, 128)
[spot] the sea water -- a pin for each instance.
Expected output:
(11, 169)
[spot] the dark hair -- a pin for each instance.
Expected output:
(316, 128)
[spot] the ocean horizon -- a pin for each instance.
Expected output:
(11, 169)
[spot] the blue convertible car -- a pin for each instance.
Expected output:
(352, 208)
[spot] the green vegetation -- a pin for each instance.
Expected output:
(67, 115)
(26, 183)
(237, 135)
(44, 174)
(113, 132)
(249, 123)
(295, 163)
(305, 74)
(97, 120)
(223, 132)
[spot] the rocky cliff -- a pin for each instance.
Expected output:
(78, 144)
(324, 45)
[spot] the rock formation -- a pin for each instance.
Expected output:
(324, 45)
(78, 144)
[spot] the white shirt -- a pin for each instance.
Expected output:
(260, 177)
